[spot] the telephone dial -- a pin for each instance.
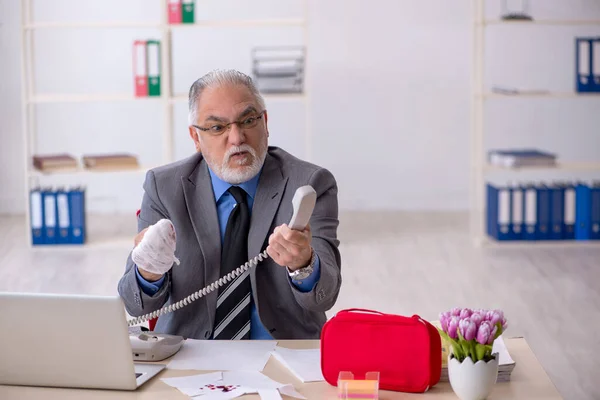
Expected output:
(152, 346)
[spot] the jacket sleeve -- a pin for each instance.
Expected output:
(323, 224)
(136, 301)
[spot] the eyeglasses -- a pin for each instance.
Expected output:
(220, 128)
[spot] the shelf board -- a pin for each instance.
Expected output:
(241, 23)
(556, 22)
(556, 95)
(154, 25)
(493, 244)
(107, 24)
(90, 244)
(266, 96)
(567, 166)
(82, 171)
(88, 98)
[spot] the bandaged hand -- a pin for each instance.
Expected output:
(155, 253)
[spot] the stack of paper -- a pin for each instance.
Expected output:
(210, 355)
(110, 161)
(514, 158)
(231, 384)
(278, 69)
(304, 364)
(55, 162)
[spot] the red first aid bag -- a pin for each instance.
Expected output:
(406, 351)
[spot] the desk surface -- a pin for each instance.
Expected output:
(528, 381)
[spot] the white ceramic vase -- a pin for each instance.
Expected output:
(472, 381)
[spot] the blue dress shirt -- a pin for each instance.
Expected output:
(225, 203)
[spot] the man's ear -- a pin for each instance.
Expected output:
(266, 120)
(195, 138)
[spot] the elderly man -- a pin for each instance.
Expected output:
(206, 215)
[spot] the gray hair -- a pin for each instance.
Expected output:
(218, 78)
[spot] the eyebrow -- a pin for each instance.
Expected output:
(215, 118)
(248, 110)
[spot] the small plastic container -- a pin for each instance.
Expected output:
(356, 389)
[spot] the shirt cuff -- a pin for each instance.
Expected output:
(306, 285)
(150, 288)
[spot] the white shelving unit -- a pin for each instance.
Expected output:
(480, 94)
(168, 99)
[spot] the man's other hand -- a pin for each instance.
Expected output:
(291, 248)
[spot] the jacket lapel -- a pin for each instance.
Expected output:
(200, 202)
(268, 197)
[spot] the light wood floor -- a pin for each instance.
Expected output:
(403, 263)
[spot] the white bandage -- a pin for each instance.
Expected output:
(156, 252)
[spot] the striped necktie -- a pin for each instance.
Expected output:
(232, 319)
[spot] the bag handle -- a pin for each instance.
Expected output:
(361, 310)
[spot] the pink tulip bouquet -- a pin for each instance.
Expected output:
(472, 332)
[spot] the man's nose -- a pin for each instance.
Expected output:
(236, 135)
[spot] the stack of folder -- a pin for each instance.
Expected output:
(146, 68)
(57, 216)
(110, 162)
(278, 69)
(54, 162)
(587, 60)
(536, 211)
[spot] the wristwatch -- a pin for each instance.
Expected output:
(304, 272)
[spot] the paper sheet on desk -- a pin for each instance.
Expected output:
(305, 364)
(500, 347)
(191, 385)
(259, 382)
(210, 355)
(231, 384)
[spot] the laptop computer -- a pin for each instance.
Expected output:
(71, 341)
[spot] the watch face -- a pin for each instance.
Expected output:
(302, 273)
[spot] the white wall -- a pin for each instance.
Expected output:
(389, 93)
(12, 187)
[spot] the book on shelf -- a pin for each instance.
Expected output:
(541, 211)
(114, 161)
(587, 59)
(513, 158)
(57, 215)
(55, 162)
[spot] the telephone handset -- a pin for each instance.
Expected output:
(304, 202)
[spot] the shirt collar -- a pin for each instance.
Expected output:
(220, 186)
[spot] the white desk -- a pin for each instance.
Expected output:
(528, 381)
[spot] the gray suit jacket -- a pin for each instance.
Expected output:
(182, 192)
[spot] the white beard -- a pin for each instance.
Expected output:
(244, 172)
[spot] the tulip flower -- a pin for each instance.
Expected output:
(477, 318)
(444, 319)
(453, 326)
(496, 316)
(493, 332)
(467, 328)
(483, 333)
(465, 313)
(455, 311)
